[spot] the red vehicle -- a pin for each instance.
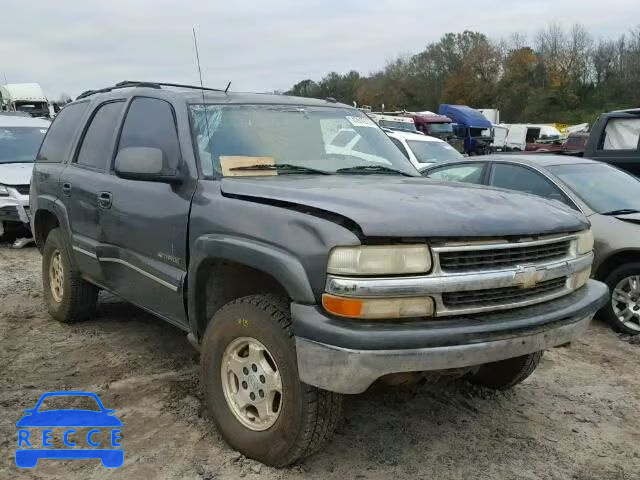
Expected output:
(434, 125)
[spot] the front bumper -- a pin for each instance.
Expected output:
(15, 207)
(348, 356)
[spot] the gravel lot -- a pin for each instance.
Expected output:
(576, 417)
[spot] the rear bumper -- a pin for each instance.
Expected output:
(347, 357)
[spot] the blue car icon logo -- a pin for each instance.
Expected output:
(36, 433)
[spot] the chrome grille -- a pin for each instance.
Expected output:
(502, 296)
(483, 259)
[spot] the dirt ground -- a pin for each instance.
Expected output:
(575, 418)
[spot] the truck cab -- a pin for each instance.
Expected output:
(471, 127)
(299, 272)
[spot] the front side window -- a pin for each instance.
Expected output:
(432, 152)
(515, 177)
(20, 144)
(232, 137)
(150, 123)
(622, 134)
(61, 133)
(97, 145)
(467, 172)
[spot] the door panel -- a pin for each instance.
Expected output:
(144, 253)
(82, 181)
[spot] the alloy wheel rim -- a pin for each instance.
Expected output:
(251, 383)
(56, 276)
(625, 300)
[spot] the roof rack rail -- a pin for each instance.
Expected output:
(176, 85)
(133, 83)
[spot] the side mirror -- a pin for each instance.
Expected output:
(143, 163)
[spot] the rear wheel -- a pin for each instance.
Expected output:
(506, 374)
(69, 298)
(252, 386)
(623, 311)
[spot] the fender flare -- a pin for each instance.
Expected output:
(278, 263)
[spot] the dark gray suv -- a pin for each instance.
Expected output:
(301, 270)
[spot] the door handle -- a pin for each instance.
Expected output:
(66, 189)
(105, 200)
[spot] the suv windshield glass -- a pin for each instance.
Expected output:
(238, 139)
(20, 144)
(431, 152)
(439, 128)
(404, 126)
(602, 187)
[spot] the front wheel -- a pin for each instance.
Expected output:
(252, 387)
(623, 311)
(506, 374)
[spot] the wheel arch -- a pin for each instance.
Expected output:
(223, 268)
(614, 261)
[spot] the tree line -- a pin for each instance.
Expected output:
(558, 75)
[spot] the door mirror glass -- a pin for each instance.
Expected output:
(141, 163)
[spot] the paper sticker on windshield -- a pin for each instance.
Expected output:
(43, 130)
(361, 122)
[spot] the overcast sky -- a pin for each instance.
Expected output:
(259, 45)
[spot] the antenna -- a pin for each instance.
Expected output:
(227, 89)
(195, 43)
(204, 105)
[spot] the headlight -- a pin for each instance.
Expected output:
(379, 260)
(3, 191)
(585, 242)
(378, 308)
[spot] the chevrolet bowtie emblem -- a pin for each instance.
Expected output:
(526, 277)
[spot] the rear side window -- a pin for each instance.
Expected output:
(622, 134)
(150, 123)
(514, 177)
(61, 133)
(97, 145)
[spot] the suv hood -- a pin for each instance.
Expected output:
(393, 206)
(15, 173)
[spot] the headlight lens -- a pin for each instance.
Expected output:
(585, 242)
(378, 308)
(3, 191)
(379, 260)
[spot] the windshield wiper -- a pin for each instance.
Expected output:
(622, 211)
(372, 169)
(282, 167)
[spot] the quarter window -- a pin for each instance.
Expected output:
(57, 142)
(150, 123)
(97, 146)
(400, 146)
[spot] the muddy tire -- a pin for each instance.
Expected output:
(69, 298)
(252, 387)
(624, 291)
(506, 374)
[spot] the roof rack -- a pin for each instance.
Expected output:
(133, 83)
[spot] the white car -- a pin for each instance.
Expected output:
(20, 139)
(423, 150)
